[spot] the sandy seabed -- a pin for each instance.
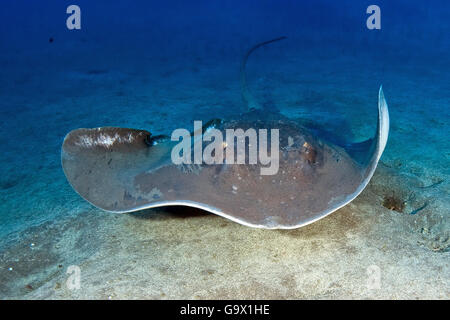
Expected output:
(184, 253)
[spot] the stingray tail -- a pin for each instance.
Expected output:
(248, 98)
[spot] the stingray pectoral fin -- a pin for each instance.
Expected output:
(378, 143)
(366, 152)
(374, 148)
(100, 163)
(383, 123)
(380, 140)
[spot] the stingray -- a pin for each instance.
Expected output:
(125, 170)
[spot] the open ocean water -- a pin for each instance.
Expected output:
(160, 65)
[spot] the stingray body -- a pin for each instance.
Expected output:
(125, 170)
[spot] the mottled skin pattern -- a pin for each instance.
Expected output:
(128, 174)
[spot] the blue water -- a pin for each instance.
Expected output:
(160, 65)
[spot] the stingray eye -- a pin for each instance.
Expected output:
(307, 146)
(309, 152)
(148, 140)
